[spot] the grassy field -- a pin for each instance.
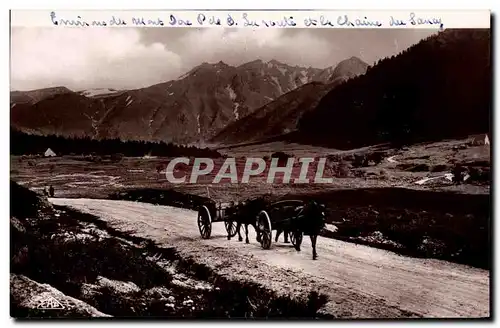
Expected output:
(79, 176)
(405, 202)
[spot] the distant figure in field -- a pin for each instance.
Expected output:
(458, 174)
(45, 192)
(51, 191)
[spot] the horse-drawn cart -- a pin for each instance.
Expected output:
(295, 218)
(216, 212)
(283, 217)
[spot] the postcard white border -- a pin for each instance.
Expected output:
(194, 4)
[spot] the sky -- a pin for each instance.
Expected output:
(130, 58)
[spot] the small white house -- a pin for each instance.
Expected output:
(481, 140)
(49, 153)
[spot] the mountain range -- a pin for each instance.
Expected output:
(282, 115)
(438, 88)
(193, 108)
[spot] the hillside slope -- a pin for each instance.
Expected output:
(282, 115)
(278, 117)
(34, 96)
(438, 88)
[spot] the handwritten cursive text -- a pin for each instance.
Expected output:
(414, 20)
(252, 19)
(174, 21)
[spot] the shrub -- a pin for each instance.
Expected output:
(360, 161)
(159, 168)
(281, 155)
(342, 170)
(419, 168)
(376, 157)
(439, 168)
(479, 175)
(116, 157)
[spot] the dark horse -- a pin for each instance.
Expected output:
(245, 214)
(312, 221)
(309, 220)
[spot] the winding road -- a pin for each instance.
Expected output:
(360, 281)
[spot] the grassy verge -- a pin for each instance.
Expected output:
(128, 276)
(441, 225)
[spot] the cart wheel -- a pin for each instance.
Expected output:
(204, 222)
(265, 230)
(296, 238)
(231, 228)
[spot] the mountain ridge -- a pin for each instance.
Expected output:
(281, 116)
(192, 108)
(438, 88)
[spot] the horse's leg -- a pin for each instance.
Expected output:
(287, 232)
(297, 241)
(238, 228)
(278, 233)
(229, 235)
(246, 234)
(313, 243)
(258, 233)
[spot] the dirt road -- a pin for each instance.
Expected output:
(360, 281)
